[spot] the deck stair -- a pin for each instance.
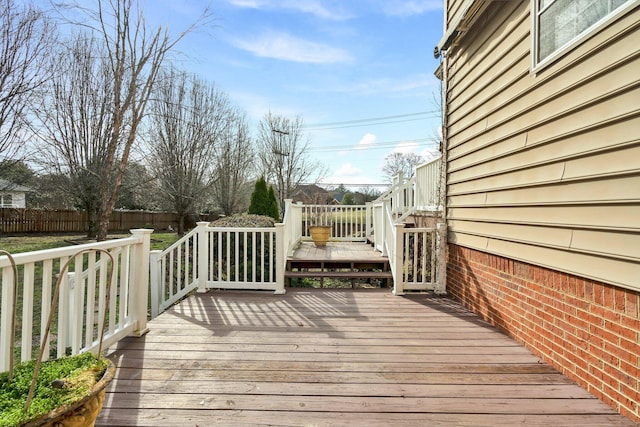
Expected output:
(338, 260)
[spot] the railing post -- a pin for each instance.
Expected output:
(281, 259)
(203, 256)
(140, 267)
(398, 264)
(441, 286)
(155, 282)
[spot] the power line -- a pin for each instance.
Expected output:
(383, 119)
(329, 185)
(376, 146)
(369, 124)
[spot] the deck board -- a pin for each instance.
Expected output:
(337, 251)
(336, 357)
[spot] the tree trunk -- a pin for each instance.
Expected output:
(181, 220)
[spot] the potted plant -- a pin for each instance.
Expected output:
(68, 391)
(320, 224)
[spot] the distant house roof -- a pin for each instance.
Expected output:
(311, 194)
(10, 186)
(339, 196)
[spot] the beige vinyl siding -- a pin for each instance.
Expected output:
(545, 167)
(453, 8)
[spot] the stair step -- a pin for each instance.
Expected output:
(341, 274)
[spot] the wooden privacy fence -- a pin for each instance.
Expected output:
(13, 221)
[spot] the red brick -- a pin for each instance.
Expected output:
(598, 294)
(619, 300)
(607, 292)
(631, 304)
(620, 330)
(588, 291)
(621, 354)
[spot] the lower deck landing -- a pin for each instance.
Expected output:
(338, 260)
(338, 251)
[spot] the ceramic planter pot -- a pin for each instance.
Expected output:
(320, 234)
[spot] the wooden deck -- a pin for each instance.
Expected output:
(337, 357)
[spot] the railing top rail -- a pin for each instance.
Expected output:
(45, 254)
(335, 206)
(234, 229)
(420, 230)
(174, 245)
(429, 162)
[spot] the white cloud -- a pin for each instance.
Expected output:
(315, 8)
(368, 140)
(430, 153)
(289, 48)
(406, 147)
(349, 174)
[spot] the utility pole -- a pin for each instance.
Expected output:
(281, 158)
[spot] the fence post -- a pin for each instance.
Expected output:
(281, 259)
(155, 282)
(441, 286)
(140, 268)
(398, 265)
(203, 255)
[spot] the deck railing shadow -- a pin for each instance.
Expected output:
(226, 312)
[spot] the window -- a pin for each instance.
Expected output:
(6, 200)
(558, 23)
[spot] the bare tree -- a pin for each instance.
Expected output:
(189, 118)
(282, 150)
(233, 164)
(404, 163)
(26, 39)
(75, 124)
(135, 54)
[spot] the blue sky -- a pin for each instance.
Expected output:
(331, 61)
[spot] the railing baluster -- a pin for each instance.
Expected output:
(91, 298)
(236, 251)
(172, 284)
(47, 275)
(244, 256)
(114, 291)
(179, 267)
(27, 311)
(63, 315)
(125, 277)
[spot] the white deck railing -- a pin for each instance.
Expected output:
(349, 223)
(174, 272)
(82, 297)
(219, 258)
(427, 186)
(417, 256)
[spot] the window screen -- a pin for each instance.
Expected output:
(558, 22)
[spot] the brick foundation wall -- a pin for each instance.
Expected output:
(589, 331)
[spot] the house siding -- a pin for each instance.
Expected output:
(544, 167)
(588, 330)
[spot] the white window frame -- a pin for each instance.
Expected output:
(580, 38)
(6, 200)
